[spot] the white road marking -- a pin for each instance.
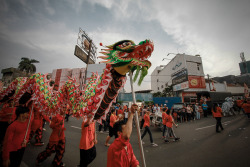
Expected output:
(211, 126)
(76, 127)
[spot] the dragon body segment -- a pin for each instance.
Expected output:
(100, 92)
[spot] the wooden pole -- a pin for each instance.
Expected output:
(137, 122)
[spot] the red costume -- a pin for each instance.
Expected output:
(14, 138)
(37, 126)
(56, 142)
(120, 154)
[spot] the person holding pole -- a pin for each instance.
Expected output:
(87, 142)
(15, 142)
(113, 119)
(120, 152)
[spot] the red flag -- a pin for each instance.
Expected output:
(246, 92)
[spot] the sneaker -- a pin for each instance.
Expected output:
(166, 141)
(39, 144)
(62, 164)
(44, 129)
(154, 144)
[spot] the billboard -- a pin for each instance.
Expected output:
(82, 55)
(196, 82)
(180, 77)
(181, 86)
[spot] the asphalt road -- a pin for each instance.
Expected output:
(199, 146)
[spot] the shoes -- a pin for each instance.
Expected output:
(154, 144)
(177, 139)
(39, 144)
(107, 145)
(101, 131)
(166, 141)
(44, 129)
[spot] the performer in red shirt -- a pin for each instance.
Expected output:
(14, 141)
(146, 128)
(120, 152)
(87, 142)
(37, 127)
(164, 115)
(113, 119)
(217, 114)
(56, 142)
(7, 115)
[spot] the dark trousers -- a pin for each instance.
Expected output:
(142, 122)
(164, 130)
(3, 128)
(218, 124)
(53, 147)
(16, 157)
(38, 134)
(205, 113)
(104, 123)
(149, 132)
(87, 156)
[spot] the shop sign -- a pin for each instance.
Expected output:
(181, 86)
(196, 82)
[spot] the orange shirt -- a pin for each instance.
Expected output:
(88, 136)
(164, 115)
(120, 111)
(57, 129)
(218, 112)
(246, 107)
(239, 103)
(169, 121)
(146, 120)
(112, 120)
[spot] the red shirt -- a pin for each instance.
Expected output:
(8, 114)
(118, 156)
(146, 120)
(57, 129)
(14, 137)
(239, 103)
(164, 115)
(112, 120)
(38, 120)
(88, 136)
(169, 122)
(246, 107)
(120, 111)
(218, 112)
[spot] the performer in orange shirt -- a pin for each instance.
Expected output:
(113, 119)
(87, 142)
(164, 115)
(246, 108)
(146, 128)
(217, 114)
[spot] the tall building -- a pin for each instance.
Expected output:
(184, 72)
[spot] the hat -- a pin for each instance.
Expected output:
(164, 104)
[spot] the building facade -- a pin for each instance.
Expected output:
(9, 74)
(184, 72)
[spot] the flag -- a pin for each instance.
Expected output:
(246, 92)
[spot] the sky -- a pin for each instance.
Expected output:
(47, 30)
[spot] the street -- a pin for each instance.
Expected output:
(199, 145)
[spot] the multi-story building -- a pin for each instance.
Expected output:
(184, 72)
(9, 74)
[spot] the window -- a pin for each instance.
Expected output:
(158, 88)
(198, 67)
(161, 86)
(157, 80)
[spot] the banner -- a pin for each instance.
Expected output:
(196, 82)
(246, 92)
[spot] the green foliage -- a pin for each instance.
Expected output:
(27, 65)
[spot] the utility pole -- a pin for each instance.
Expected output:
(85, 78)
(209, 82)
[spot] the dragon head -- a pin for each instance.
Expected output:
(125, 55)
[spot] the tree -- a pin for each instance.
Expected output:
(168, 91)
(157, 94)
(27, 65)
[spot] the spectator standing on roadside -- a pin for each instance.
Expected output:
(204, 108)
(196, 108)
(189, 112)
(246, 108)
(143, 111)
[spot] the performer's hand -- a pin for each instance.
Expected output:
(24, 143)
(134, 108)
(6, 163)
(95, 142)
